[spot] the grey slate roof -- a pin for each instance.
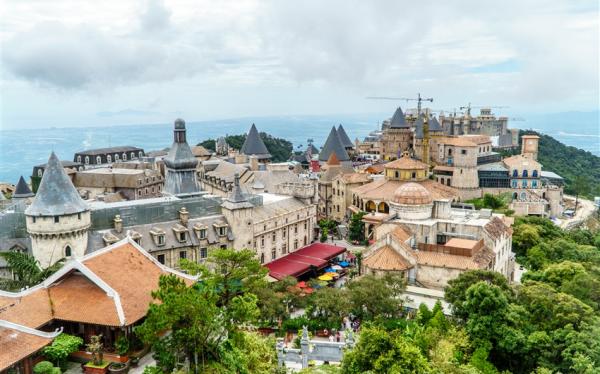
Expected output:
(333, 144)
(22, 190)
(398, 120)
(313, 150)
(434, 124)
(181, 163)
(346, 142)
(56, 195)
(253, 145)
(102, 151)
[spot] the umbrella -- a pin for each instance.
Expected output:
(336, 267)
(301, 284)
(330, 270)
(308, 290)
(344, 264)
(322, 284)
(333, 275)
(325, 277)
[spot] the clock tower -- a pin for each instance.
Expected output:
(529, 146)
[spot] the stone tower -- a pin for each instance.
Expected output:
(180, 165)
(529, 146)
(58, 219)
(237, 210)
(254, 146)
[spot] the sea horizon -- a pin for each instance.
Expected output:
(21, 149)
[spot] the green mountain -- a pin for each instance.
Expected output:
(567, 161)
(279, 148)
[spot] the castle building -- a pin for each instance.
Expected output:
(341, 193)
(127, 183)
(58, 219)
(180, 165)
(105, 156)
(38, 171)
(332, 169)
(430, 243)
(345, 139)
(397, 137)
(483, 124)
(254, 146)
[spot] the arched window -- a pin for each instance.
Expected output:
(108, 158)
(523, 196)
(79, 159)
(514, 184)
(449, 151)
(98, 160)
(534, 184)
(116, 157)
(370, 206)
(515, 196)
(383, 208)
(524, 184)
(40, 173)
(515, 173)
(397, 174)
(87, 160)
(534, 173)
(124, 156)
(525, 173)
(68, 251)
(132, 155)
(413, 175)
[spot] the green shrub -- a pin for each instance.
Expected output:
(43, 367)
(122, 345)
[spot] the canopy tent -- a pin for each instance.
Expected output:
(316, 255)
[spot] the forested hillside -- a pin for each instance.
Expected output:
(279, 148)
(568, 162)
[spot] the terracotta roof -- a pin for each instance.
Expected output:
(355, 177)
(401, 233)
(18, 344)
(412, 194)
(376, 168)
(386, 258)
(333, 160)
(465, 140)
(111, 286)
(443, 168)
(462, 243)
(520, 160)
(479, 260)
(384, 189)
(496, 228)
(406, 163)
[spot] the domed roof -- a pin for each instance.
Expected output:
(412, 194)
(179, 124)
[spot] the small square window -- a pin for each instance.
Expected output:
(161, 259)
(56, 219)
(203, 252)
(182, 255)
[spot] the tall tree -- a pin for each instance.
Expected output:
(26, 270)
(377, 296)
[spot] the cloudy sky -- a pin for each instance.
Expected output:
(74, 63)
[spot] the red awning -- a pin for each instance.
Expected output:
(297, 263)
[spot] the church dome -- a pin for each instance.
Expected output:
(412, 194)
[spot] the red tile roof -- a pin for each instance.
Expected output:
(297, 263)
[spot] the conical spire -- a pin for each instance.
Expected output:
(346, 142)
(254, 145)
(434, 124)
(333, 144)
(333, 160)
(56, 195)
(398, 120)
(22, 190)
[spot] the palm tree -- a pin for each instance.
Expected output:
(26, 270)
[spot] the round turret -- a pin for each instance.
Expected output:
(179, 124)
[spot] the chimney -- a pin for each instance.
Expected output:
(118, 223)
(184, 216)
(253, 163)
(240, 158)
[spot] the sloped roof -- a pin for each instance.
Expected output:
(90, 290)
(22, 190)
(200, 151)
(56, 194)
(406, 163)
(434, 124)
(19, 342)
(398, 120)
(333, 144)
(384, 189)
(344, 138)
(386, 258)
(254, 145)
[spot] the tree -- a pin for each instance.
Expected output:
(279, 148)
(380, 351)
(206, 319)
(324, 233)
(524, 237)
(356, 228)
(26, 270)
(331, 304)
(377, 296)
(62, 346)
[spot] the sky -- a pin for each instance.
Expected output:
(72, 63)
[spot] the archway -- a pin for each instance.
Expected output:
(68, 251)
(383, 207)
(370, 206)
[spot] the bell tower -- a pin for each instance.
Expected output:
(529, 146)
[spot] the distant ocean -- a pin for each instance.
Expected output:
(21, 149)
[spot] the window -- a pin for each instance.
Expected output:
(182, 255)
(79, 159)
(108, 158)
(33, 219)
(203, 253)
(262, 241)
(533, 184)
(515, 173)
(284, 233)
(523, 196)
(87, 160)
(514, 184)
(534, 174)
(296, 244)
(273, 254)
(160, 239)
(116, 157)
(448, 182)
(124, 156)
(40, 173)
(262, 258)
(223, 246)
(202, 234)
(274, 237)
(79, 216)
(524, 184)
(132, 155)
(182, 236)
(68, 251)
(524, 173)
(284, 249)
(305, 225)
(98, 160)
(449, 151)
(396, 174)
(161, 259)
(463, 151)
(56, 219)
(222, 231)
(413, 175)
(296, 228)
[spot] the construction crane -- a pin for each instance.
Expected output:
(469, 107)
(419, 99)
